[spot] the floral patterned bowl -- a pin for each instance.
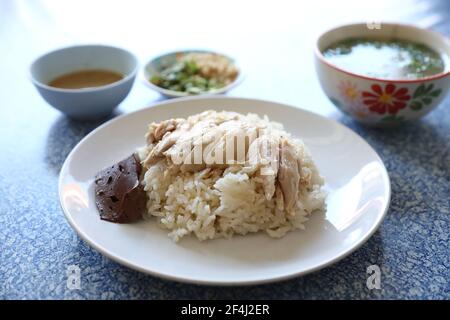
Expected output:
(382, 102)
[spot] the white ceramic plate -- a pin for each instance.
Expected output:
(356, 179)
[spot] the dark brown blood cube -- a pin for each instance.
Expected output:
(118, 194)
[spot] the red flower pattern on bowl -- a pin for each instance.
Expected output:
(388, 99)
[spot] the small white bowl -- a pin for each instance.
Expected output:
(155, 65)
(87, 103)
(409, 99)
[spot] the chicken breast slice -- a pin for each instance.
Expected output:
(289, 175)
(157, 152)
(157, 130)
(263, 159)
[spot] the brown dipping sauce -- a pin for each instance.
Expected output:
(85, 79)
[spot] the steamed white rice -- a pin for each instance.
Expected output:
(215, 203)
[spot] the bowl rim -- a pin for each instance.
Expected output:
(177, 94)
(129, 76)
(437, 76)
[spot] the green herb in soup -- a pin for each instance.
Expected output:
(387, 59)
(197, 73)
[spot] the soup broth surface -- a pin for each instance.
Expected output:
(387, 59)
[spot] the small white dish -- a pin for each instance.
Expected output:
(356, 181)
(155, 65)
(87, 103)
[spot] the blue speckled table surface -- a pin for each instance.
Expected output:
(36, 243)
